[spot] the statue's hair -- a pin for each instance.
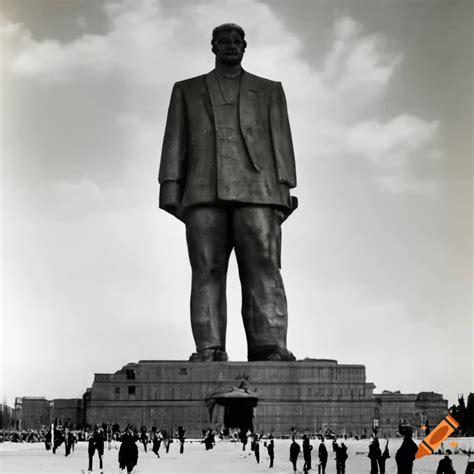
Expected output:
(226, 27)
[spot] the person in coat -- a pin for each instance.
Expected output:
(323, 457)
(374, 455)
(341, 458)
(294, 453)
(307, 448)
(406, 453)
(96, 443)
(271, 450)
(227, 167)
(128, 452)
(445, 466)
(383, 459)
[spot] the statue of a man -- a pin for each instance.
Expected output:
(226, 169)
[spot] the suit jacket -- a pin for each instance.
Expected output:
(189, 167)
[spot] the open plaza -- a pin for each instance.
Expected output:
(226, 457)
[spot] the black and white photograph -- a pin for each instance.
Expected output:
(237, 236)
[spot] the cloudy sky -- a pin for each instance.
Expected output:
(377, 261)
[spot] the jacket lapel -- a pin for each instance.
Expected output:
(249, 113)
(215, 93)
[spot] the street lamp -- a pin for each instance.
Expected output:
(375, 425)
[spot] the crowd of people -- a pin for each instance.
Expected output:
(125, 442)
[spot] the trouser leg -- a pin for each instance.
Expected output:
(209, 247)
(257, 240)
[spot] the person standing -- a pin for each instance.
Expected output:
(383, 459)
(157, 437)
(294, 453)
(271, 450)
(445, 466)
(374, 455)
(323, 457)
(96, 443)
(406, 453)
(144, 438)
(182, 438)
(256, 446)
(307, 448)
(341, 458)
(128, 452)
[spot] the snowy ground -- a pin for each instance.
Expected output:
(226, 457)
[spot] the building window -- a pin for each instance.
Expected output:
(130, 374)
(183, 371)
(131, 389)
(117, 390)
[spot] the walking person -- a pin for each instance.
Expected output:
(128, 452)
(383, 459)
(256, 446)
(307, 448)
(445, 466)
(68, 441)
(144, 438)
(406, 453)
(271, 450)
(156, 440)
(323, 457)
(374, 455)
(181, 437)
(166, 440)
(96, 443)
(341, 458)
(294, 453)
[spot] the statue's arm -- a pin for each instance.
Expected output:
(281, 137)
(173, 163)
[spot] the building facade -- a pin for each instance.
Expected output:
(314, 395)
(39, 413)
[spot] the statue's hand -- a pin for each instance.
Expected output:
(170, 199)
(175, 210)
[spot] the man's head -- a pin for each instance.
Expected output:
(228, 43)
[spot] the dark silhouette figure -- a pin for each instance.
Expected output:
(307, 448)
(144, 438)
(128, 452)
(341, 458)
(445, 466)
(182, 438)
(166, 440)
(156, 440)
(256, 446)
(294, 453)
(406, 454)
(383, 459)
(227, 167)
(374, 455)
(57, 439)
(323, 458)
(68, 441)
(271, 451)
(96, 443)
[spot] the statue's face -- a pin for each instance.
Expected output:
(229, 48)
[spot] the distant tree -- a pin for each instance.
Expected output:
(464, 415)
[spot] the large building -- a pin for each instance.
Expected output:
(313, 395)
(38, 412)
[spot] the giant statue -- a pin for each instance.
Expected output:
(227, 167)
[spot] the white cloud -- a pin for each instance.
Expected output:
(147, 48)
(83, 138)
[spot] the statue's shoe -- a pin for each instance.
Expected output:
(277, 354)
(209, 355)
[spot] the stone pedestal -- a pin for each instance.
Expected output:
(310, 395)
